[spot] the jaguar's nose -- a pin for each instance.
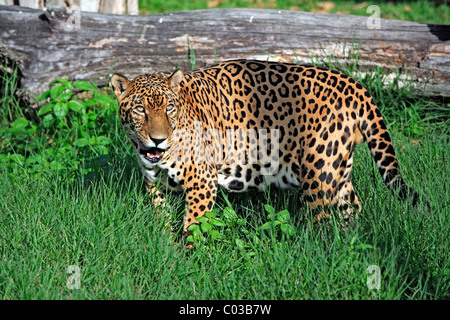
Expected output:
(157, 141)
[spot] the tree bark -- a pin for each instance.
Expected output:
(90, 46)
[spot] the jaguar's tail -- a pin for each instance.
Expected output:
(374, 132)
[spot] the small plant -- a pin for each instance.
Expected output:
(278, 221)
(69, 130)
(205, 228)
(208, 226)
(234, 229)
(211, 227)
(16, 135)
(230, 230)
(64, 109)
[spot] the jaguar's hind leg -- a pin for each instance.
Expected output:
(332, 191)
(344, 203)
(318, 200)
(348, 204)
(346, 200)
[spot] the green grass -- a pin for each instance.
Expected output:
(91, 213)
(423, 11)
(106, 228)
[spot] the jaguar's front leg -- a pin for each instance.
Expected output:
(201, 189)
(157, 195)
(162, 207)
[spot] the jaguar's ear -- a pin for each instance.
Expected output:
(120, 84)
(175, 79)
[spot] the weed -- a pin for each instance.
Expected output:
(68, 130)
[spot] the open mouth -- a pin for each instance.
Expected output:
(151, 154)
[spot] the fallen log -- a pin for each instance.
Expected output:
(60, 43)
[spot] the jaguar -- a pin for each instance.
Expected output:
(250, 125)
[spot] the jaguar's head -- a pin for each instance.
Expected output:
(149, 109)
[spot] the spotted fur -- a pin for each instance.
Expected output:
(293, 127)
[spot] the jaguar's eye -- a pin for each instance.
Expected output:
(170, 107)
(139, 109)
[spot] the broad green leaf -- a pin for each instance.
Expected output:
(202, 219)
(76, 106)
(48, 120)
(210, 215)
(271, 216)
(269, 208)
(83, 85)
(44, 95)
(68, 85)
(102, 149)
(103, 140)
(17, 158)
(20, 124)
(206, 227)
(81, 142)
(57, 166)
(92, 116)
(196, 232)
(65, 96)
(62, 123)
(229, 213)
(266, 225)
(89, 103)
(283, 216)
(102, 99)
(215, 234)
(217, 222)
(192, 227)
(56, 91)
(46, 108)
(32, 130)
(32, 159)
(195, 228)
(60, 110)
